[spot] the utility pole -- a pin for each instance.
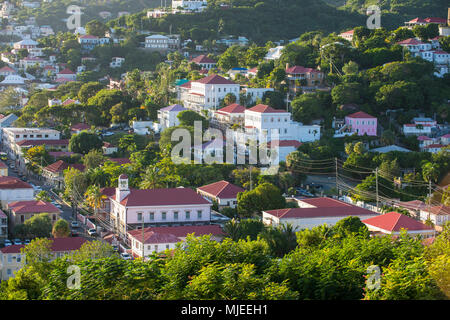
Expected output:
(143, 241)
(376, 184)
(251, 184)
(337, 173)
(429, 198)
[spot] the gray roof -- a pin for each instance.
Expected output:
(8, 120)
(389, 149)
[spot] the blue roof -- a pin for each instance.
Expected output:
(239, 69)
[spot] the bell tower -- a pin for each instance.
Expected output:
(122, 190)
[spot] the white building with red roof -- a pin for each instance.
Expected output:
(131, 208)
(362, 123)
(77, 128)
(207, 92)
(20, 211)
(229, 115)
(439, 214)
(301, 79)
(54, 173)
(393, 223)
(315, 212)
(7, 71)
(423, 22)
(347, 35)
(159, 239)
(204, 62)
(13, 189)
(222, 192)
(12, 259)
(66, 75)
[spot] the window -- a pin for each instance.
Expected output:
(9, 258)
(139, 216)
(31, 135)
(9, 272)
(167, 246)
(54, 217)
(175, 215)
(188, 215)
(149, 247)
(199, 214)
(152, 216)
(22, 218)
(156, 248)
(25, 135)
(163, 215)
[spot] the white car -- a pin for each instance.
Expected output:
(92, 232)
(74, 224)
(8, 243)
(125, 256)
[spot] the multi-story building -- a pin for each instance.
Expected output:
(204, 62)
(347, 35)
(229, 115)
(222, 192)
(14, 189)
(3, 225)
(362, 123)
(12, 259)
(159, 239)
(132, 208)
(423, 22)
(26, 44)
(190, 5)
(207, 92)
(301, 79)
(263, 121)
(88, 42)
(159, 42)
(168, 116)
(20, 211)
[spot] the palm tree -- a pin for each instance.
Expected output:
(94, 198)
(153, 179)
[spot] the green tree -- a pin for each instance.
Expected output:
(264, 197)
(61, 229)
(84, 142)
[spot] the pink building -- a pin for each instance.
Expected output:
(362, 123)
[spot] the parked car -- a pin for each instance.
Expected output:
(17, 241)
(74, 233)
(27, 241)
(74, 224)
(92, 232)
(8, 243)
(125, 256)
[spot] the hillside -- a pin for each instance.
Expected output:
(54, 13)
(259, 21)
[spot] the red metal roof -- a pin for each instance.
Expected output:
(301, 70)
(162, 197)
(394, 221)
(55, 142)
(60, 166)
(320, 208)
(13, 183)
(439, 210)
(411, 41)
(80, 126)
(232, 108)
(222, 189)
(262, 108)
(58, 245)
(203, 59)
(214, 79)
(173, 234)
(361, 115)
(286, 143)
(66, 71)
(32, 206)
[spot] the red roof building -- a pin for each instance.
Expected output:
(262, 108)
(214, 79)
(315, 212)
(223, 192)
(13, 183)
(24, 210)
(361, 115)
(394, 222)
(158, 239)
(76, 128)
